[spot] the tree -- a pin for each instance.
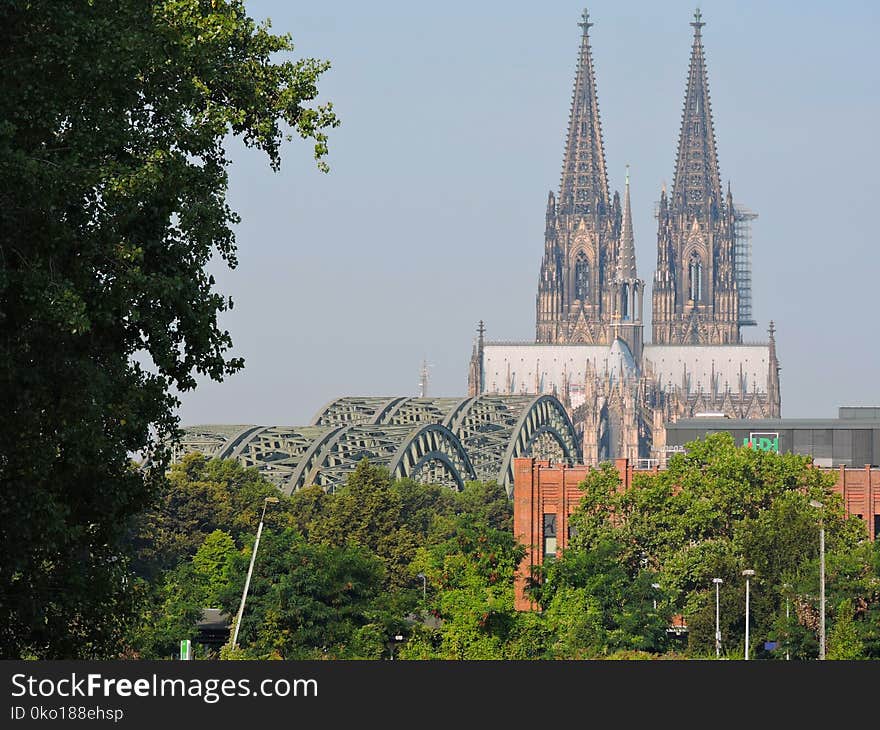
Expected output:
(716, 510)
(308, 600)
(844, 641)
(112, 201)
(211, 567)
(203, 495)
(367, 511)
(472, 566)
(595, 605)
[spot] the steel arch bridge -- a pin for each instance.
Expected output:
(433, 440)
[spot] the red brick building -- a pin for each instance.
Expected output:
(545, 494)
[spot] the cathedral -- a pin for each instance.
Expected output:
(589, 347)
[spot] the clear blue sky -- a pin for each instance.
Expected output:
(453, 122)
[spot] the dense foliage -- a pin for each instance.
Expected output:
(715, 512)
(336, 574)
(339, 575)
(113, 179)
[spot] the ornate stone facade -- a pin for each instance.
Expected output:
(589, 348)
(695, 293)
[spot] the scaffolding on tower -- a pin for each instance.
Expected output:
(742, 262)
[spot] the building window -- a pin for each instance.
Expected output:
(549, 536)
(581, 277)
(695, 278)
(572, 531)
(624, 305)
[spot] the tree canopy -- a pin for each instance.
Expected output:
(113, 182)
(714, 512)
(339, 574)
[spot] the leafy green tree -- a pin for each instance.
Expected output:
(169, 611)
(853, 576)
(471, 566)
(367, 512)
(308, 600)
(485, 502)
(203, 495)
(113, 118)
(716, 510)
(211, 567)
(595, 606)
(844, 641)
(172, 603)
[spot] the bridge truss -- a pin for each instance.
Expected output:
(444, 441)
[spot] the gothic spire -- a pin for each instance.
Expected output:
(697, 179)
(584, 184)
(626, 262)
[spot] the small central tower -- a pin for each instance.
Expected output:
(627, 289)
(574, 301)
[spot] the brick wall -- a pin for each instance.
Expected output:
(540, 488)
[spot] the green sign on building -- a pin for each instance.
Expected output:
(763, 442)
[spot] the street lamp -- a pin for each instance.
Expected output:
(820, 507)
(424, 584)
(717, 582)
(787, 588)
(396, 639)
(266, 502)
(748, 573)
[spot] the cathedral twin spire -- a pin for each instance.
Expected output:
(697, 182)
(590, 247)
(584, 184)
(696, 297)
(577, 299)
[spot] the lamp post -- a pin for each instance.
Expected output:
(787, 588)
(818, 505)
(424, 585)
(717, 582)
(396, 639)
(748, 573)
(266, 502)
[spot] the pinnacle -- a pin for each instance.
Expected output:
(626, 263)
(584, 179)
(696, 146)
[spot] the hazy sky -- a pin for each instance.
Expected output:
(453, 123)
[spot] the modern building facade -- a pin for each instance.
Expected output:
(589, 347)
(851, 440)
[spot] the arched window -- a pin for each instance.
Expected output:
(624, 304)
(582, 277)
(695, 277)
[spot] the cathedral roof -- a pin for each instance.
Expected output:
(710, 368)
(620, 362)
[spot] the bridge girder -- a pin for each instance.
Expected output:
(438, 440)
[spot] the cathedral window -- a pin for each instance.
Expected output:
(624, 304)
(582, 277)
(695, 278)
